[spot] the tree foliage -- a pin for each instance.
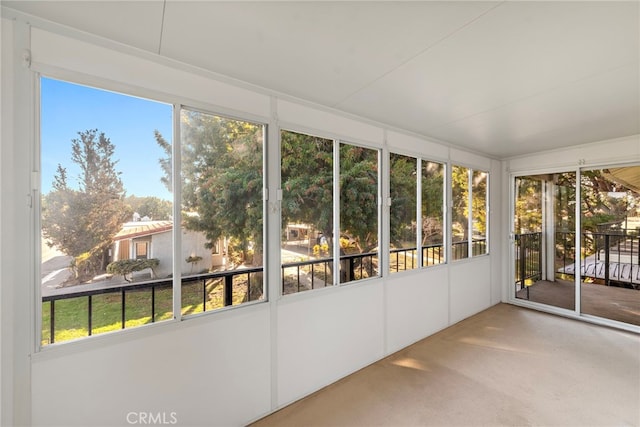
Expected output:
(402, 188)
(359, 196)
(82, 222)
(222, 180)
(307, 181)
(153, 207)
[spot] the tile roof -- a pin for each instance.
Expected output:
(143, 228)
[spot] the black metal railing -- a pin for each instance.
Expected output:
(528, 247)
(611, 257)
(204, 280)
(460, 249)
(307, 275)
(319, 272)
(402, 259)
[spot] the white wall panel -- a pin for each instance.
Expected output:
(417, 306)
(418, 146)
(465, 158)
(211, 371)
(326, 336)
(620, 150)
(52, 50)
(330, 124)
(498, 237)
(470, 287)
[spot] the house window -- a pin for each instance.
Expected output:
(103, 165)
(469, 212)
(142, 250)
(222, 199)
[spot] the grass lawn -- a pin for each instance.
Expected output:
(72, 316)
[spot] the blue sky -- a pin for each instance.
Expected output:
(127, 121)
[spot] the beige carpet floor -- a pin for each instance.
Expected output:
(506, 366)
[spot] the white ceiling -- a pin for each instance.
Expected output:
(502, 78)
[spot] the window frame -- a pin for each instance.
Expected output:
(469, 205)
(175, 102)
(337, 142)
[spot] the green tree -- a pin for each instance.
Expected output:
(222, 181)
(460, 203)
(432, 202)
(82, 222)
(402, 189)
(306, 172)
(359, 195)
(152, 207)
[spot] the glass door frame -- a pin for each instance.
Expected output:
(576, 313)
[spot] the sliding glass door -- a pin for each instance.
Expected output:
(610, 255)
(544, 239)
(605, 257)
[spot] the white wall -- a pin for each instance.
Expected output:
(232, 366)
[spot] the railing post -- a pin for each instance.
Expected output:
(89, 309)
(204, 295)
(539, 272)
(123, 308)
(228, 290)
(523, 260)
(606, 259)
(153, 304)
(52, 321)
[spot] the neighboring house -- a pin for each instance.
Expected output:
(153, 239)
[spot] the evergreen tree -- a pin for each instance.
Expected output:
(82, 222)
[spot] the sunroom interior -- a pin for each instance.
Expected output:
(334, 181)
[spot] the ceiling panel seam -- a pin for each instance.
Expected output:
(164, 8)
(421, 52)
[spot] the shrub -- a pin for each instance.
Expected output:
(128, 266)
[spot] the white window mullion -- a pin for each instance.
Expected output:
(419, 219)
(336, 212)
(470, 213)
(577, 262)
(177, 213)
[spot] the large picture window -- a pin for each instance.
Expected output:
(407, 174)
(112, 241)
(222, 206)
(433, 201)
(306, 171)
(402, 213)
(310, 248)
(359, 215)
(106, 216)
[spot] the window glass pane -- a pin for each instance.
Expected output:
(307, 212)
(402, 188)
(460, 212)
(433, 252)
(105, 211)
(222, 207)
(358, 213)
(479, 210)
